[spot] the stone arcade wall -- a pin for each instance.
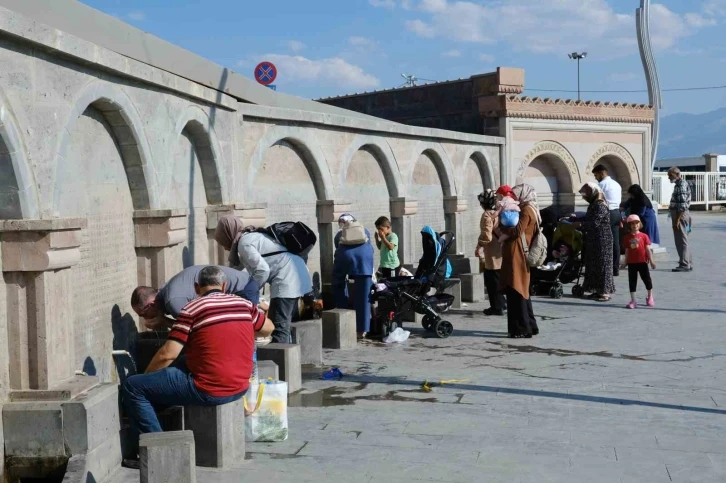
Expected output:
(113, 173)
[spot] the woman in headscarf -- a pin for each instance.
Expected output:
(640, 205)
(515, 271)
(228, 232)
(343, 220)
(489, 252)
(598, 244)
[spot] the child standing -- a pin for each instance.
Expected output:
(387, 243)
(637, 259)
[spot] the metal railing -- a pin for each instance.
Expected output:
(706, 188)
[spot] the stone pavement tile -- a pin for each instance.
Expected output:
(646, 472)
(691, 443)
(718, 461)
(269, 474)
(289, 447)
(377, 452)
(679, 458)
(612, 437)
(695, 474)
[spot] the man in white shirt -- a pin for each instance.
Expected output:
(614, 196)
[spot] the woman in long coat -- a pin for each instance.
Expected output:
(598, 244)
(492, 253)
(515, 274)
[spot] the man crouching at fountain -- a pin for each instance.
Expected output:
(218, 331)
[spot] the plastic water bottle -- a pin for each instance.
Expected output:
(255, 373)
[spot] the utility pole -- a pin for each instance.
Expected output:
(578, 58)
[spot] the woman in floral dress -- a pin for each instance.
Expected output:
(598, 244)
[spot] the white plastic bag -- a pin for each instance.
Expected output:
(398, 335)
(266, 412)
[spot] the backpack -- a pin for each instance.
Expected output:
(536, 253)
(296, 236)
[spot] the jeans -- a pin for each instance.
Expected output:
(251, 292)
(615, 219)
(358, 300)
(281, 314)
(172, 386)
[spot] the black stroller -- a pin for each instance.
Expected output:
(564, 266)
(399, 295)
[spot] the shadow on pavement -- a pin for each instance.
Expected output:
(531, 392)
(611, 304)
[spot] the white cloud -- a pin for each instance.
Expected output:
(550, 26)
(137, 15)
(697, 20)
(433, 5)
(383, 3)
(296, 46)
(332, 72)
(623, 76)
(452, 53)
(486, 57)
(362, 42)
(407, 4)
(421, 29)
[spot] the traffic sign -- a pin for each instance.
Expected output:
(265, 73)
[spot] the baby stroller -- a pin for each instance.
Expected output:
(398, 295)
(564, 264)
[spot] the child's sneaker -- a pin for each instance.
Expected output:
(632, 305)
(650, 302)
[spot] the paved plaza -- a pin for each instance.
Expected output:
(603, 394)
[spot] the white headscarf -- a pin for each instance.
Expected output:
(527, 196)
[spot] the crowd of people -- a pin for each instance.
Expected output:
(214, 313)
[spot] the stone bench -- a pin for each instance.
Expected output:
(219, 433)
(472, 287)
(268, 370)
(287, 358)
(308, 335)
(455, 290)
(339, 329)
(464, 265)
(166, 457)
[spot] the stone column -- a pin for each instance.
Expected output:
(402, 211)
(328, 212)
(454, 207)
(156, 231)
(36, 257)
(711, 162)
(250, 213)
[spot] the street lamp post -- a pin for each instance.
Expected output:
(578, 58)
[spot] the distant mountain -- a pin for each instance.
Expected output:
(685, 135)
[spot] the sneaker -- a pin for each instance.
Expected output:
(632, 305)
(682, 269)
(650, 302)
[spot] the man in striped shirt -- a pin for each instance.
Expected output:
(218, 331)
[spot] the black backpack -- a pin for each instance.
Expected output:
(296, 236)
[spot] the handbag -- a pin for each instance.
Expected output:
(267, 421)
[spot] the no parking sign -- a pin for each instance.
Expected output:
(265, 73)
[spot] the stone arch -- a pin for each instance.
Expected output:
(126, 125)
(17, 172)
(382, 152)
(299, 139)
(482, 162)
(559, 158)
(197, 124)
(474, 174)
(438, 156)
(620, 163)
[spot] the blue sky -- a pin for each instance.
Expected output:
(332, 47)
